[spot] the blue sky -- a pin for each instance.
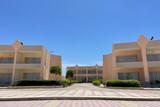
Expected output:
(79, 30)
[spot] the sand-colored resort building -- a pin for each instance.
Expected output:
(87, 73)
(25, 62)
(138, 60)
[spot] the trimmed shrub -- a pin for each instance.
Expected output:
(104, 83)
(66, 82)
(37, 83)
(122, 83)
(96, 82)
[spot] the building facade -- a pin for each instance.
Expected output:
(138, 60)
(87, 73)
(24, 62)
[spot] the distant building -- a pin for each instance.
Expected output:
(87, 73)
(25, 62)
(138, 60)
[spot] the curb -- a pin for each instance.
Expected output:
(30, 87)
(81, 98)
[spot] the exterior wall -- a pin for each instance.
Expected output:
(19, 67)
(87, 73)
(55, 60)
(140, 49)
(107, 67)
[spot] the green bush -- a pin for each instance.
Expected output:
(66, 82)
(104, 83)
(77, 81)
(37, 83)
(96, 82)
(122, 83)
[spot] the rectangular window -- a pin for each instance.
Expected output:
(127, 58)
(6, 60)
(100, 72)
(153, 57)
(91, 71)
(128, 76)
(82, 72)
(100, 77)
(92, 78)
(31, 60)
(154, 76)
(32, 76)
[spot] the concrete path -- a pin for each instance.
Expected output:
(78, 90)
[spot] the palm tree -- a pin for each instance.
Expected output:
(69, 74)
(56, 70)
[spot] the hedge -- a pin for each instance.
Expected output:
(96, 82)
(122, 83)
(66, 82)
(37, 83)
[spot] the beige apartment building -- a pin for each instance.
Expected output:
(138, 60)
(25, 62)
(87, 73)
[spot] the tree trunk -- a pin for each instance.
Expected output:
(54, 76)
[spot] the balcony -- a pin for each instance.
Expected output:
(152, 64)
(130, 65)
(126, 46)
(31, 49)
(28, 66)
(6, 66)
(21, 66)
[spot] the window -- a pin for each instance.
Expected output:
(90, 79)
(128, 76)
(31, 60)
(154, 76)
(100, 72)
(32, 76)
(153, 57)
(100, 77)
(127, 58)
(82, 72)
(92, 72)
(6, 60)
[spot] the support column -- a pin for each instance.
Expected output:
(16, 46)
(142, 42)
(14, 67)
(97, 72)
(76, 72)
(114, 66)
(145, 64)
(86, 75)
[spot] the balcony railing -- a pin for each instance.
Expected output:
(154, 64)
(28, 66)
(130, 65)
(6, 66)
(21, 66)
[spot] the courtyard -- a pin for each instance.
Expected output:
(78, 90)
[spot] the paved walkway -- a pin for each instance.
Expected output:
(80, 103)
(78, 90)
